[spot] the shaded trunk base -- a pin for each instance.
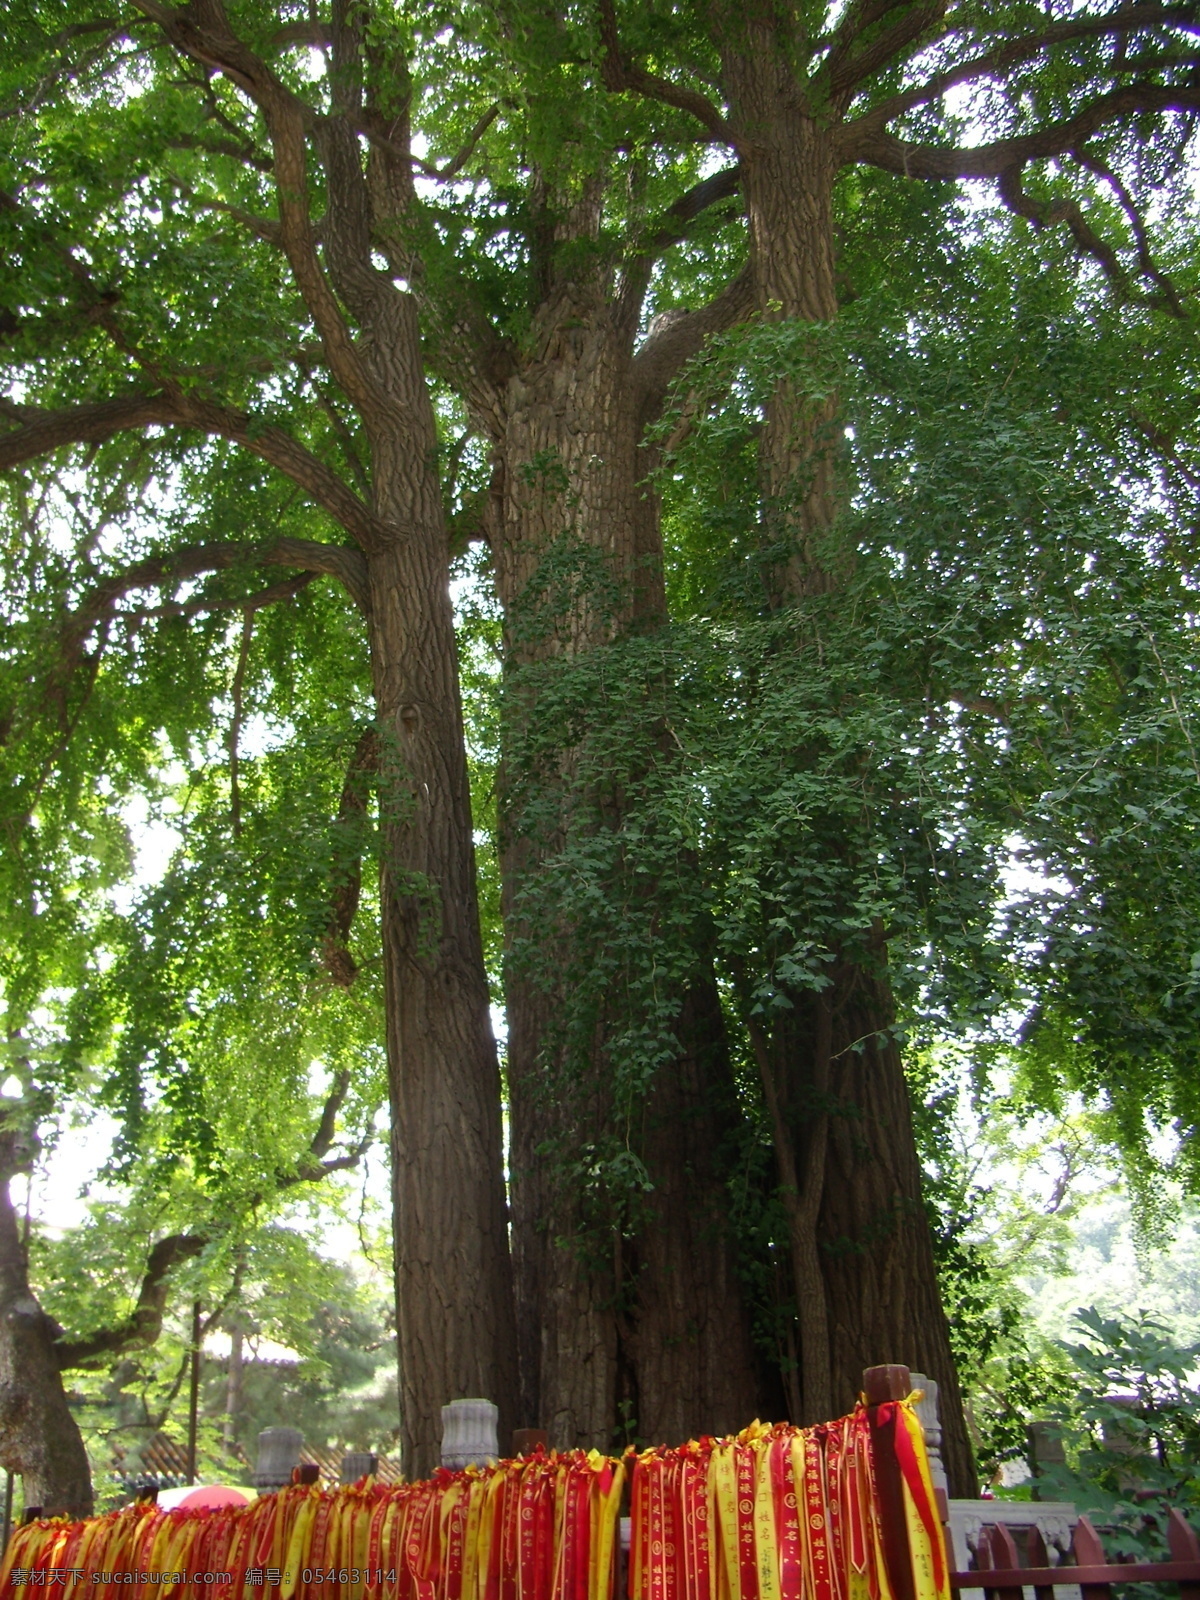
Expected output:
(636, 1332)
(39, 1438)
(874, 1245)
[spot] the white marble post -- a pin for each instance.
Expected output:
(927, 1414)
(469, 1433)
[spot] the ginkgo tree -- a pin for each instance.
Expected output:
(241, 246)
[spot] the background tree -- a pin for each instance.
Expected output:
(174, 301)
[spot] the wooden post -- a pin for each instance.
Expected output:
(1002, 1553)
(1039, 1556)
(881, 1384)
(1184, 1546)
(526, 1440)
(1089, 1552)
(194, 1394)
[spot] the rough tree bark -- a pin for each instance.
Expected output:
(455, 1317)
(798, 105)
(863, 1263)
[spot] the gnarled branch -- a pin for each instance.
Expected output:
(681, 336)
(992, 63)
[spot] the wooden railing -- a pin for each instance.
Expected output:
(1000, 1574)
(998, 1569)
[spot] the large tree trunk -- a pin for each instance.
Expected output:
(455, 1323)
(39, 1438)
(631, 1320)
(455, 1317)
(863, 1262)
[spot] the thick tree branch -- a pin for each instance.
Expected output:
(208, 605)
(878, 148)
(843, 74)
(316, 1162)
(39, 432)
(680, 336)
(1168, 295)
(458, 162)
(202, 31)
(178, 566)
(622, 74)
(674, 225)
(144, 1324)
(1001, 59)
(858, 16)
(1046, 213)
(246, 154)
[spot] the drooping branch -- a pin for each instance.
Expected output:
(246, 154)
(264, 228)
(1046, 213)
(38, 433)
(211, 605)
(193, 561)
(109, 27)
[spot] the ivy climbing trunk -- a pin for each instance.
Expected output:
(631, 1312)
(862, 1256)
